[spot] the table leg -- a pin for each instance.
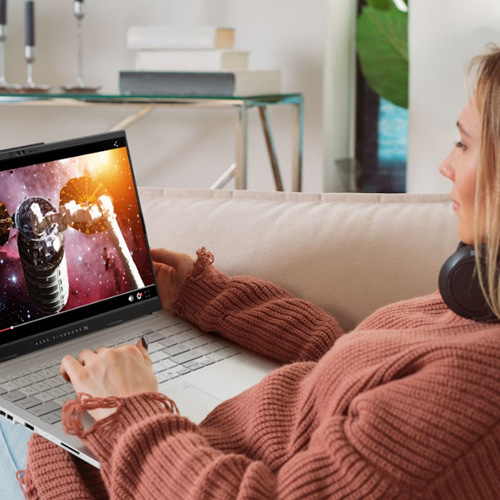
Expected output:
(298, 137)
(266, 126)
(131, 119)
(241, 148)
(224, 178)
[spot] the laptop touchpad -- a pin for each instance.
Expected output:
(193, 403)
(235, 375)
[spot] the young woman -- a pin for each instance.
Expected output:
(406, 406)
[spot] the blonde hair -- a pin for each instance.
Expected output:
(487, 195)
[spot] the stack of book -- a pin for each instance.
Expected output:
(192, 61)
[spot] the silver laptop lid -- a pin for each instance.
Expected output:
(74, 256)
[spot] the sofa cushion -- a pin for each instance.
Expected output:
(348, 253)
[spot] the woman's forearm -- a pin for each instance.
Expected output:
(256, 314)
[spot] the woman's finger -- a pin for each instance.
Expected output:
(142, 345)
(85, 356)
(70, 368)
(165, 256)
(161, 268)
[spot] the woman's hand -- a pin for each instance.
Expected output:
(171, 270)
(122, 371)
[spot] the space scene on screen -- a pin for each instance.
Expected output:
(52, 258)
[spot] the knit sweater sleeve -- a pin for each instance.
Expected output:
(146, 452)
(55, 474)
(380, 446)
(254, 313)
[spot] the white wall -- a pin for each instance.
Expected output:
(444, 36)
(175, 148)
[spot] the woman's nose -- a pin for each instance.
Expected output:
(446, 168)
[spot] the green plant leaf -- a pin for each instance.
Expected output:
(382, 45)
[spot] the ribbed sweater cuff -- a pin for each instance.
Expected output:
(203, 284)
(53, 473)
(102, 437)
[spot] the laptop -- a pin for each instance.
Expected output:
(75, 273)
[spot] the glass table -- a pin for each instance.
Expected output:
(242, 105)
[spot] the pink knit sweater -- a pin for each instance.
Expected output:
(406, 406)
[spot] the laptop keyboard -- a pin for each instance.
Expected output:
(175, 350)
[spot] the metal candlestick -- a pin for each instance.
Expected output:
(79, 11)
(29, 56)
(3, 36)
(29, 52)
(80, 87)
(31, 87)
(4, 87)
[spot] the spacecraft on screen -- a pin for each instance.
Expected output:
(84, 205)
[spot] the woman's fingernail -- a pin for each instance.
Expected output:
(144, 342)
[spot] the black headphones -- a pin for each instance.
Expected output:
(459, 286)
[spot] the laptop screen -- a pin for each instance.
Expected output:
(72, 241)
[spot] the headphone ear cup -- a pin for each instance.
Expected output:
(459, 286)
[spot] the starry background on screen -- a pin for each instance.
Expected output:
(95, 270)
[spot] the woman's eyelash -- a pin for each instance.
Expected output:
(460, 144)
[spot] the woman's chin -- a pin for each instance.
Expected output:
(465, 238)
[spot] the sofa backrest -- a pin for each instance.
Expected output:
(348, 253)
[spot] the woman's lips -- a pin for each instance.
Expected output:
(455, 205)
